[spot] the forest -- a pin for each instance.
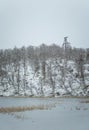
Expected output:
(44, 70)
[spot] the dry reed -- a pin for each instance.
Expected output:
(87, 101)
(25, 108)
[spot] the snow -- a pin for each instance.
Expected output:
(35, 83)
(69, 114)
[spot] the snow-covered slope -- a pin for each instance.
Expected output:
(50, 77)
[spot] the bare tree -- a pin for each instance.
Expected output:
(80, 67)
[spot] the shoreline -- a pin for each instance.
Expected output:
(63, 96)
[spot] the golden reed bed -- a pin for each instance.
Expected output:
(25, 108)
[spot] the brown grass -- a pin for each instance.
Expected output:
(87, 101)
(25, 108)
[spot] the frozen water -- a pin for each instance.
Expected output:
(69, 114)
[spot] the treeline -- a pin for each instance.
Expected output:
(41, 52)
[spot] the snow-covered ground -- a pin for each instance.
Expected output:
(56, 78)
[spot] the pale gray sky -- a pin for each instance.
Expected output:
(32, 22)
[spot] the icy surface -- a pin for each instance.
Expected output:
(69, 114)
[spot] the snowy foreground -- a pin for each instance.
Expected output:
(68, 114)
(53, 77)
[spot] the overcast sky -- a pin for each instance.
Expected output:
(32, 22)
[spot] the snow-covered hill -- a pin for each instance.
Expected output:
(52, 77)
